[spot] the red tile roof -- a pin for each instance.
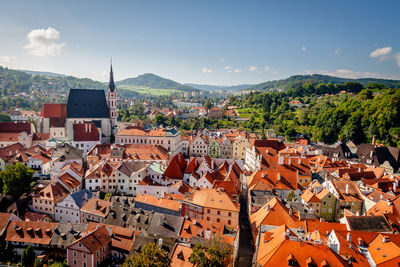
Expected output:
(95, 240)
(30, 232)
(176, 167)
(86, 132)
(54, 110)
(15, 127)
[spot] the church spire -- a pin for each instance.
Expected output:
(111, 84)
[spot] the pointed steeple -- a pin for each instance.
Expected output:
(111, 84)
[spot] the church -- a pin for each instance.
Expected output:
(84, 106)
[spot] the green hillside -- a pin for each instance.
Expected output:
(149, 83)
(298, 80)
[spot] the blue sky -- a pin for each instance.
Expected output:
(209, 42)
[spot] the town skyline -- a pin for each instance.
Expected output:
(232, 44)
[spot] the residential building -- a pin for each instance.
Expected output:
(91, 249)
(95, 210)
(160, 205)
(211, 205)
(69, 209)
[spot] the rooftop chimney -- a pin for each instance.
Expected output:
(279, 177)
(281, 160)
(347, 189)
(374, 140)
(290, 161)
(349, 237)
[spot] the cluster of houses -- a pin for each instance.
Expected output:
(98, 202)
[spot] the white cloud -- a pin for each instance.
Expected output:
(237, 70)
(337, 51)
(266, 68)
(205, 70)
(253, 68)
(6, 60)
(304, 48)
(381, 52)
(398, 59)
(227, 67)
(43, 42)
(222, 59)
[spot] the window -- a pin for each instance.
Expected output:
(218, 220)
(219, 212)
(229, 222)
(229, 214)
(84, 255)
(74, 253)
(208, 218)
(74, 262)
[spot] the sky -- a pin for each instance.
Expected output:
(206, 42)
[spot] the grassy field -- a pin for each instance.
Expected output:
(246, 112)
(150, 91)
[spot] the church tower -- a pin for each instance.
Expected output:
(112, 102)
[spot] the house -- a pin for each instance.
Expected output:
(64, 154)
(198, 146)
(214, 149)
(69, 209)
(328, 204)
(215, 113)
(24, 115)
(52, 120)
(259, 150)
(91, 249)
(86, 136)
(211, 205)
(160, 205)
(16, 132)
(282, 245)
(168, 138)
(95, 210)
(180, 256)
(348, 196)
(165, 226)
(64, 235)
(20, 234)
(8, 152)
(45, 200)
(312, 201)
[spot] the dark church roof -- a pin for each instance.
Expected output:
(87, 103)
(111, 84)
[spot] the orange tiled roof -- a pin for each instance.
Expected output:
(30, 232)
(158, 202)
(95, 240)
(276, 249)
(97, 207)
(69, 181)
(309, 196)
(52, 192)
(212, 198)
(180, 256)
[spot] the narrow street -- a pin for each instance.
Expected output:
(245, 251)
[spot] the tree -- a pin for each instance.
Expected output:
(17, 180)
(214, 253)
(28, 256)
(208, 105)
(151, 255)
(5, 117)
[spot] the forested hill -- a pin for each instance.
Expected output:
(14, 81)
(299, 80)
(150, 80)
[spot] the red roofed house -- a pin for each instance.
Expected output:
(86, 136)
(91, 249)
(52, 120)
(16, 132)
(215, 113)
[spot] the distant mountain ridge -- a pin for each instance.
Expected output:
(295, 80)
(207, 87)
(44, 73)
(151, 80)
